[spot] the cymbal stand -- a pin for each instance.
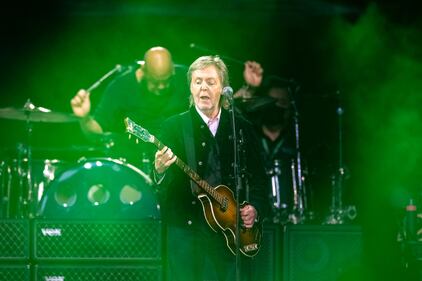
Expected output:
(299, 202)
(338, 213)
(27, 185)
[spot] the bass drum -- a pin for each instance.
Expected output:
(100, 188)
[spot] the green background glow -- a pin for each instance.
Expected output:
(372, 59)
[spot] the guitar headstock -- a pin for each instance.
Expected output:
(139, 132)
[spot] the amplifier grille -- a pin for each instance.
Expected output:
(14, 272)
(14, 239)
(322, 252)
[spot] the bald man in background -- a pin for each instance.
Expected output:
(148, 95)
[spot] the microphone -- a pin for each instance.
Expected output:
(228, 92)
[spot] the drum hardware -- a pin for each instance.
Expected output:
(297, 215)
(299, 211)
(146, 164)
(4, 190)
(30, 114)
(275, 184)
(338, 213)
(11, 191)
(18, 201)
(279, 208)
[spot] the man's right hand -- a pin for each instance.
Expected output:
(81, 104)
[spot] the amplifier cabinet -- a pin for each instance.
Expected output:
(266, 265)
(97, 272)
(56, 240)
(412, 253)
(14, 239)
(322, 253)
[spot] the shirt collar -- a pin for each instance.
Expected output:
(206, 118)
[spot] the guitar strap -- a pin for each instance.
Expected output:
(190, 149)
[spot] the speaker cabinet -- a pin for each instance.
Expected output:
(266, 265)
(322, 253)
(97, 272)
(413, 260)
(95, 240)
(14, 240)
(14, 271)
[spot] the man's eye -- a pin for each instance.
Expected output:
(211, 83)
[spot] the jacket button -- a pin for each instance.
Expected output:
(203, 144)
(200, 163)
(189, 222)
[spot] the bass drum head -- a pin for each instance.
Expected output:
(100, 188)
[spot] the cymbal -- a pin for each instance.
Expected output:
(37, 114)
(256, 103)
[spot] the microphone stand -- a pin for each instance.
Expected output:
(28, 202)
(238, 180)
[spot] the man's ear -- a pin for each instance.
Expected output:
(140, 73)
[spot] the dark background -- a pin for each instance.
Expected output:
(364, 55)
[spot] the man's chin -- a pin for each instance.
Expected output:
(204, 107)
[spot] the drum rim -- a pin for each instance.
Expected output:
(119, 161)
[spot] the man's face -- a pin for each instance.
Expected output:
(206, 90)
(158, 85)
(281, 95)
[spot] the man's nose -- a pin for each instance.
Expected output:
(162, 86)
(204, 86)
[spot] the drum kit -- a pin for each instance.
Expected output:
(92, 186)
(290, 193)
(96, 183)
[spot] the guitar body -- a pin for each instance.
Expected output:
(223, 218)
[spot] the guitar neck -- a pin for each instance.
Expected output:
(192, 174)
